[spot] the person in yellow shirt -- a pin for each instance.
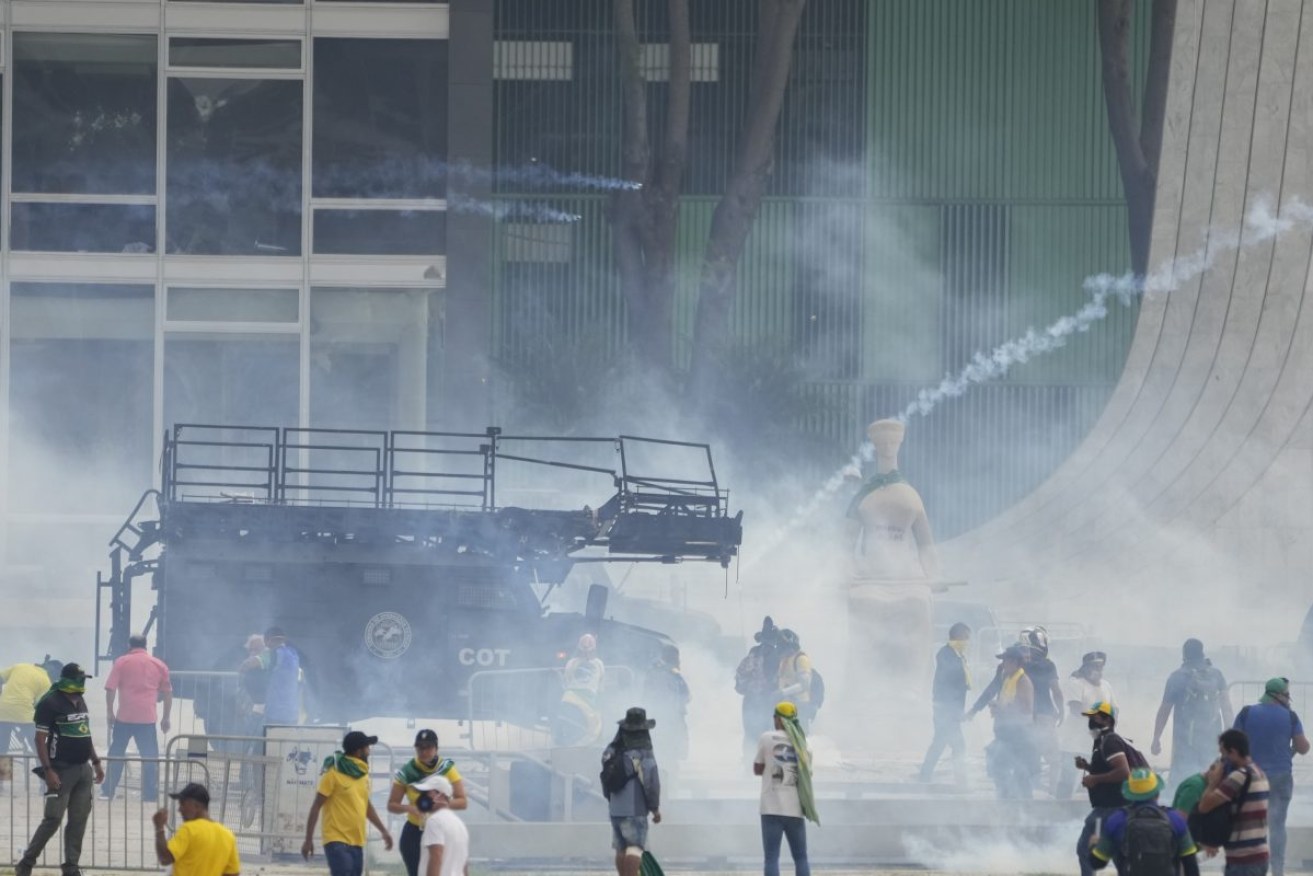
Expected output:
(23, 684)
(200, 847)
(343, 796)
(404, 797)
(795, 676)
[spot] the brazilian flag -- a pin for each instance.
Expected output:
(650, 867)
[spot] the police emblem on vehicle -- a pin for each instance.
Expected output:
(387, 635)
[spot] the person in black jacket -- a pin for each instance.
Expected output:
(952, 681)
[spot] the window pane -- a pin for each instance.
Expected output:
(380, 118)
(203, 304)
(81, 365)
(84, 113)
(207, 52)
(234, 168)
(380, 232)
(230, 380)
(83, 228)
(368, 355)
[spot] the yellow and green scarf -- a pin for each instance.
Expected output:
(76, 686)
(351, 767)
(798, 739)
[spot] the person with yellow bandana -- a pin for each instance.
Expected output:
(343, 797)
(200, 847)
(70, 767)
(404, 796)
(787, 803)
(949, 694)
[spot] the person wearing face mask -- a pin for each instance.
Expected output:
(406, 793)
(1081, 691)
(1107, 767)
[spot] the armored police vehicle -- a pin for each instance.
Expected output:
(401, 565)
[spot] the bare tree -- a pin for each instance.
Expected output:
(646, 221)
(1137, 153)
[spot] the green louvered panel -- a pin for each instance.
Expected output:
(903, 294)
(1052, 250)
(997, 100)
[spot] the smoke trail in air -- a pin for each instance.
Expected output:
(503, 210)
(1261, 224)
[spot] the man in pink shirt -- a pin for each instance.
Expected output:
(141, 680)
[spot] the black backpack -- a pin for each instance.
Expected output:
(613, 775)
(1148, 846)
(1213, 828)
(1199, 709)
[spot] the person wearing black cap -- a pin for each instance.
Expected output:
(343, 795)
(200, 847)
(69, 765)
(641, 794)
(404, 798)
(1197, 701)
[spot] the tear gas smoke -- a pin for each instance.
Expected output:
(1262, 224)
(503, 210)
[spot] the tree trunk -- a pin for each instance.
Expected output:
(645, 221)
(1137, 155)
(737, 210)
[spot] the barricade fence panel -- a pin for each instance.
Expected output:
(119, 833)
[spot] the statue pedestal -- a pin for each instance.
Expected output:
(890, 637)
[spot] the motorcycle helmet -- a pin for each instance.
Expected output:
(1036, 638)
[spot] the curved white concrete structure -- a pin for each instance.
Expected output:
(1203, 458)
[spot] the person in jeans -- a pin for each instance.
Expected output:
(343, 797)
(140, 680)
(70, 767)
(1106, 770)
(1275, 737)
(641, 794)
(1237, 780)
(784, 764)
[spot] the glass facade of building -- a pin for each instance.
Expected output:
(209, 213)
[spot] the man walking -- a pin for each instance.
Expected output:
(141, 679)
(200, 847)
(630, 803)
(784, 764)
(1237, 780)
(1145, 837)
(1275, 736)
(406, 793)
(343, 796)
(949, 695)
(1082, 691)
(70, 767)
(756, 679)
(1107, 767)
(446, 841)
(1195, 698)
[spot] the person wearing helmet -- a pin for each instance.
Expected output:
(1043, 675)
(795, 676)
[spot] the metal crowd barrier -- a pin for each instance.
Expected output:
(119, 833)
(207, 702)
(524, 702)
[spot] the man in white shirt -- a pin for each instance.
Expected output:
(1079, 694)
(445, 843)
(784, 764)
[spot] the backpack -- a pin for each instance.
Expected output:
(817, 691)
(1213, 828)
(1198, 706)
(750, 675)
(613, 776)
(1148, 846)
(1134, 757)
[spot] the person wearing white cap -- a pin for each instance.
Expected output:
(445, 843)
